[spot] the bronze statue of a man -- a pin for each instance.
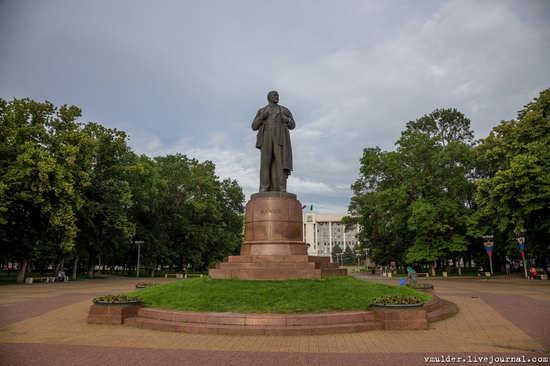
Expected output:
(272, 123)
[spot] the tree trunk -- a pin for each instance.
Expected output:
(91, 268)
(153, 271)
(543, 261)
(458, 266)
(58, 266)
(432, 269)
(467, 261)
(75, 268)
(21, 269)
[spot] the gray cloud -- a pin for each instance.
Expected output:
(188, 76)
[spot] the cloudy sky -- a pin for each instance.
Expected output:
(189, 76)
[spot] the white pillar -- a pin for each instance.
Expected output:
(316, 237)
(344, 235)
(330, 239)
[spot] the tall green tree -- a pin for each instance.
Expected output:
(513, 192)
(104, 219)
(413, 203)
(226, 232)
(147, 211)
(72, 191)
(349, 257)
(336, 251)
(380, 206)
(40, 177)
(203, 216)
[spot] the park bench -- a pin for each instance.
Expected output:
(425, 274)
(177, 275)
(541, 276)
(30, 280)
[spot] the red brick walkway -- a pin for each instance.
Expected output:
(530, 315)
(62, 355)
(12, 313)
(34, 332)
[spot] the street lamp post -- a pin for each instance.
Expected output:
(139, 242)
(521, 243)
(341, 258)
(489, 249)
(366, 259)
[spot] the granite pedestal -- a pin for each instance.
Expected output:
(273, 247)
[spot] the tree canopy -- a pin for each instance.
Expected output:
(513, 191)
(439, 192)
(76, 190)
(412, 203)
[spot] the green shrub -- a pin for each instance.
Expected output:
(115, 299)
(395, 300)
(419, 285)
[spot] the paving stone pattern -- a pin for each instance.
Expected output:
(45, 324)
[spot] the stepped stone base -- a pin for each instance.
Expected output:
(276, 267)
(273, 247)
(294, 324)
(445, 309)
(255, 324)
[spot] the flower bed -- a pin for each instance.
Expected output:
(113, 309)
(420, 285)
(396, 301)
(118, 300)
(400, 312)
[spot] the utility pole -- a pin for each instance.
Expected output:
(139, 254)
(489, 249)
(521, 243)
(366, 259)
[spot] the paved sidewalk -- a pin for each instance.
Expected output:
(487, 324)
(524, 303)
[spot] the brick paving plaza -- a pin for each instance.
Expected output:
(45, 324)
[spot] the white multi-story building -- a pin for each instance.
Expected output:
(323, 231)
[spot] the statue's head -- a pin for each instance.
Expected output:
(273, 97)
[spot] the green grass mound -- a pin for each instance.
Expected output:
(296, 296)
